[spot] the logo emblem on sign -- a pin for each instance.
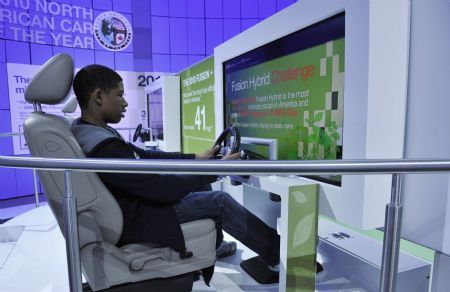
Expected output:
(112, 31)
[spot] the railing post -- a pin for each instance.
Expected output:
(36, 191)
(392, 232)
(71, 235)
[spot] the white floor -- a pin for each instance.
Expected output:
(37, 261)
(14, 211)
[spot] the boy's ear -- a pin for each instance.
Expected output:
(97, 95)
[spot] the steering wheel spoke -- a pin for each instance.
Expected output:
(137, 133)
(229, 141)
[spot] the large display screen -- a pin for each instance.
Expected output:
(197, 107)
(292, 90)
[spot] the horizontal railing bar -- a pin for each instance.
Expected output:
(244, 167)
(2, 135)
(129, 129)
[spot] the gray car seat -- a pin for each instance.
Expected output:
(69, 107)
(100, 219)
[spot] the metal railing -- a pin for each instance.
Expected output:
(393, 209)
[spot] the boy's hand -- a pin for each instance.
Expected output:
(233, 156)
(208, 153)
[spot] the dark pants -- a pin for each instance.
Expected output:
(232, 217)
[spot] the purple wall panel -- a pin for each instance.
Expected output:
(247, 23)
(231, 27)
(83, 3)
(232, 9)
(161, 63)
(142, 43)
(4, 95)
(178, 36)
(141, 13)
(6, 147)
(196, 36)
(266, 8)
(25, 185)
(122, 6)
(160, 35)
(124, 61)
(2, 51)
(98, 47)
(177, 8)
(104, 58)
(160, 7)
(65, 50)
(40, 53)
(178, 63)
(17, 52)
(249, 9)
(8, 190)
(192, 59)
(213, 9)
(281, 4)
(196, 8)
(143, 65)
(214, 34)
(8, 32)
(96, 12)
(102, 5)
(84, 57)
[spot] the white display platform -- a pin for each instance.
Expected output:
(38, 260)
(358, 258)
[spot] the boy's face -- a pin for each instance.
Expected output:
(113, 104)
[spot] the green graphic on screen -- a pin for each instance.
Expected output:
(197, 107)
(296, 99)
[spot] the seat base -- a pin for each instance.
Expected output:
(258, 270)
(182, 283)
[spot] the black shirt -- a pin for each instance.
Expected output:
(146, 199)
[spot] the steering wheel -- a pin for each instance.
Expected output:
(229, 142)
(137, 133)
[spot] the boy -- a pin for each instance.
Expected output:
(154, 205)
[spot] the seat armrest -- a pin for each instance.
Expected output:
(197, 228)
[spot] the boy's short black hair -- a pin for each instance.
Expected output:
(93, 77)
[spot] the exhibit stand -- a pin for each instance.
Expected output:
(295, 216)
(163, 112)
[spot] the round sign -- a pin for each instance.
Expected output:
(112, 31)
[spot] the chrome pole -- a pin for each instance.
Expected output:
(243, 167)
(71, 235)
(36, 191)
(392, 232)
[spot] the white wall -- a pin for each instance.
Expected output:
(426, 216)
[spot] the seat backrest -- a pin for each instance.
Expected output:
(47, 135)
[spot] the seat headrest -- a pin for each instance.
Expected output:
(52, 83)
(70, 105)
